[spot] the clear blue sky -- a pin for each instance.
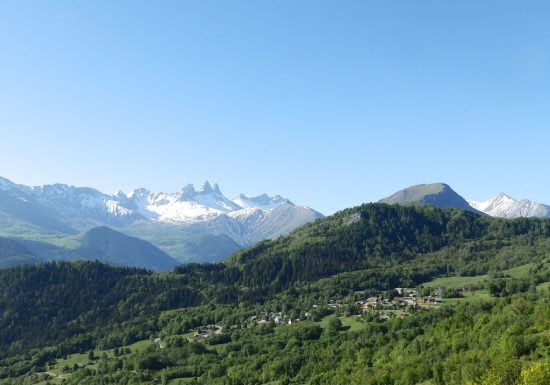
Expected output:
(329, 103)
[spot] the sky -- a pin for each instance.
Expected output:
(328, 103)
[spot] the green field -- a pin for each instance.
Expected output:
(455, 281)
(458, 281)
(519, 271)
(352, 322)
(470, 296)
(70, 361)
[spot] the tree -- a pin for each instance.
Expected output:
(334, 325)
(535, 374)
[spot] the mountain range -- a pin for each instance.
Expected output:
(191, 225)
(442, 195)
(506, 207)
(160, 230)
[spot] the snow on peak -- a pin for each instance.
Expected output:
(189, 205)
(192, 205)
(264, 201)
(140, 192)
(499, 200)
(186, 206)
(206, 188)
(6, 184)
(504, 206)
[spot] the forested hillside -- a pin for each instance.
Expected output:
(295, 310)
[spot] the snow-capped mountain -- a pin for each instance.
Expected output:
(68, 203)
(250, 225)
(187, 206)
(263, 201)
(504, 206)
(190, 205)
(205, 211)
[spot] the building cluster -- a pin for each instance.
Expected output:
(407, 298)
(275, 317)
(205, 332)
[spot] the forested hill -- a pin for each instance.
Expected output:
(381, 246)
(421, 241)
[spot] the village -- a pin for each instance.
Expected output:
(397, 302)
(408, 297)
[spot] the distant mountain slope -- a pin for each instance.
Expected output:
(105, 245)
(182, 244)
(261, 201)
(13, 253)
(52, 211)
(21, 206)
(124, 250)
(504, 206)
(436, 194)
(211, 248)
(248, 226)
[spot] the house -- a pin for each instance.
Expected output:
(407, 301)
(335, 304)
(430, 299)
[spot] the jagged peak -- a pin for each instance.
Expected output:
(502, 195)
(217, 189)
(262, 201)
(205, 188)
(138, 192)
(188, 189)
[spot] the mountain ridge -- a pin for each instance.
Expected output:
(14, 253)
(69, 210)
(504, 206)
(105, 245)
(436, 194)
